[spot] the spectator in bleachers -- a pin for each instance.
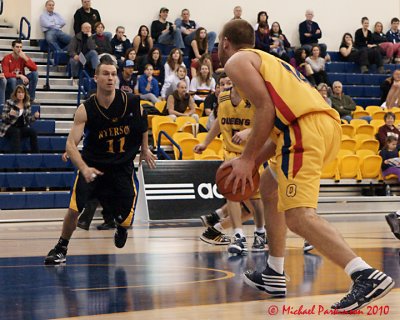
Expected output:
(262, 39)
(198, 47)
(14, 65)
(237, 12)
(154, 58)
(362, 56)
(127, 77)
(148, 85)
(211, 102)
(202, 85)
(103, 45)
(390, 90)
(317, 65)
(363, 41)
(323, 90)
(204, 59)
(388, 129)
(262, 16)
(174, 60)
(83, 43)
(16, 120)
(51, 23)
(119, 44)
(279, 44)
(142, 42)
(172, 81)
(130, 54)
(189, 30)
(310, 32)
(3, 85)
(180, 103)
(393, 35)
(343, 103)
(165, 32)
(299, 63)
(390, 157)
(391, 49)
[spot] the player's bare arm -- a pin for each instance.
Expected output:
(145, 152)
(211, 135)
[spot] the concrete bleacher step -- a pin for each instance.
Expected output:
(57, 101)
(57, 112)
(7, 42)
(43, 68)
(55, 87)
(58, 95)
(357, 78)
(58, 74)
(9, 35)
(63, 127)
(56, 82)
(5, 24)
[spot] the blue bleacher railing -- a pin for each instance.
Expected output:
(22, 35)
(83, 88)
(1, 7)
(160, 150)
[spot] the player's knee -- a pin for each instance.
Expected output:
(297, 219)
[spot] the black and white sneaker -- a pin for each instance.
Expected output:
(120, 236)
(307, 246)
(269, 281)
(260, 242)
(56, 256)
(210, 220)
(215, 237)
(238, 245)
(393, 221)
(368, 285)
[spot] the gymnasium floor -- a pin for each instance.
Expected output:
(165, 272)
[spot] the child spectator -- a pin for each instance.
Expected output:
(390, 157)
(148, 85)
(174, 60)
(172, 81)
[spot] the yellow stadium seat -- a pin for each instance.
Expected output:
(349, 167)
(212, 157)
(178, 136)
(331, 171)
(185, 121)
(396, 114)
(360, 138)
(370, 144)
(160, 105)
(377, 124)
(359, 114)
(344, 152)
(358, 122)
(364, 153)
(169, 128)
(349, 144)
(203, 121)
(366, 129)
(187, 145)
(371, 167)
(378, 115)
(359, 108)
(156, 121)
(348, 130)
(201, 136)
(142, 102)
(372, 109)
(207, 152)
(216, 145)
(200, 109)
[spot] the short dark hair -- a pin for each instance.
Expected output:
(389, 114)
(105, 62)
(363, 19)
(15, 42)
(240, 33)
(221, 76)
(394, 20)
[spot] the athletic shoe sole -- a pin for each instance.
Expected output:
(392, 228)
(234, 249)
(255, 285)
(213, 242)
(54, 262)
(308, 248)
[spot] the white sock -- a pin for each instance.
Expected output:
(276, 263)
(357, 264)
(240, 231)
(398, 213)
(219, 213)
(219, 227)
(260, 230)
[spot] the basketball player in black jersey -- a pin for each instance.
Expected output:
(114, 129)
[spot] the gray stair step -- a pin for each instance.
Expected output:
(4, 24)
(7, 43)
(59, 95)
(57, 112)
(43, 68)
(64, 127)
(57, 101)
(55, 87)
(7, 35)
(56, 82)
(42, 73)
(26, 48)
(7, 30)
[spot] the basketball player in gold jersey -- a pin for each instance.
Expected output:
(293, 123)
(235, 118)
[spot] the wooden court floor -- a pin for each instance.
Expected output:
(166, 272)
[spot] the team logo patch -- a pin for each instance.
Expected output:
(291, 190)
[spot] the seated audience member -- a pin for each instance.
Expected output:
(317, 65)
(199, 44)
(262, 16)
(390, 157)
(180, 103)
(237, 12)
(279, 44)
(299, 63)
(51, 23)
(14, 65)
(103, 45)
(154, 58)
(391, 50)
(362, 56)
(16, 120)
(148, 85)
(343, 103)
(202, 85)
(189, 27)
(165, 32)
(204, 59)
(393, 35)
(127, 77)
(83, 43)
(388, 129)
(119, 44)
(3, 85)
(363, 41)
(262, 38)
(174, 60)
(391, 85)
(323, 90)
(310, 32)
(130, 54)
(142, 42)
(171, 82)
(211, 102)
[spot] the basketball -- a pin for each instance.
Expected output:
(220, 178)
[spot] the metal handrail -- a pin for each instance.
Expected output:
(81, 88)
(50, 50)
(22, 35)
(160, 151)
(1, 7)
